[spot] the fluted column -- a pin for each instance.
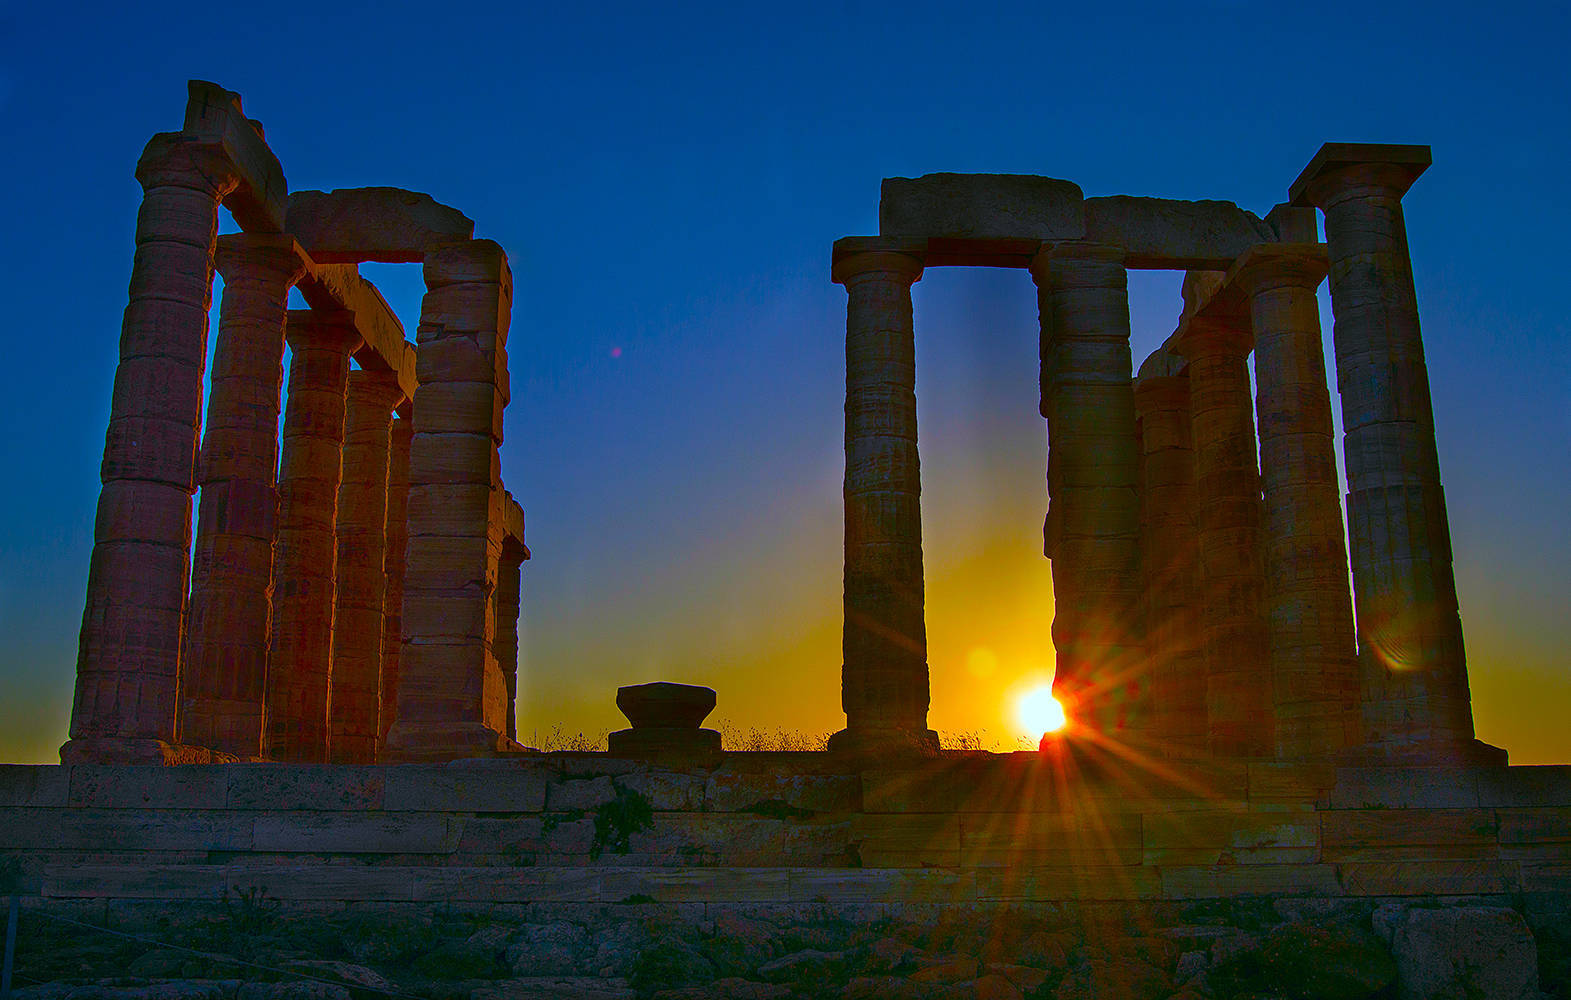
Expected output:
(884, 680)
(1170, 560)
(231, 575)
(1227, 496)
(355, 692)
(128, 660)
(294, 725)
(399, 437)
(1309, 610)
(1416, 698)
(507, 602)
(451, 694)
(1093, 469)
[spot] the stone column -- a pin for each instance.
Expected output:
(1170, 559)
(1416, 698)
(230, 616)
(884, 681)
(300, 659)
(507, 601)
(128, 660)
(1227, 497)
(1093, 469)
(1309, 610)
(355, 693)
(399, 438)
(451, 695)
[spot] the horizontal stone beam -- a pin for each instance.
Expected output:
(981, 206)
(213, 114)
(1003, 220)
(1220, 297)
(1163, 233)
(384, 224)
(513, 522)
(340, 286)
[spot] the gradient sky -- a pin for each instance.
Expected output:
(668, 181)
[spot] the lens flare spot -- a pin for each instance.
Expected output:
(616, 352)
(1039, 712)
(982, 662)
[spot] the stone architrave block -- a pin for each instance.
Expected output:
(214, 114)
(1169, 234)
(981, 207)
(384, 224)
(468, 786)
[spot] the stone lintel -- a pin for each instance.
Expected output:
(1410, 161)
(513, 523)
(1225, 302)
(384, 224)
(1168, 234)
(982, 206)
(214, 113)
(341, 286)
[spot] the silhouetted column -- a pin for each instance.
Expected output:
(884, 682)
(300, 660)
(355, 698)
(507, 605)
(232, 573)
(1227, 496)
(399, 437)
(1171, 563)
(128, 660)
(1414, 667)
(451, 694)
(1309, 610)
(1093, 528)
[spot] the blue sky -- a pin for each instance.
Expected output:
(668, 181)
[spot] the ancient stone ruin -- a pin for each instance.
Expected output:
(362, 604)
(1255, 796)
(1201, 600)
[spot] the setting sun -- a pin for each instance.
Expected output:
(1039, 712)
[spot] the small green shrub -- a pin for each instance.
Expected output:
(616, 822)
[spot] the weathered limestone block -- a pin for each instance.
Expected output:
(221, 680)
(1227, 494)
(1092, 533)
(393, 562)
(390, 225)
(1416, 698)
(451, 692)
(1164, 233)
(295, 723)
(354, 726)
(1170, 561)
(130, 647)
(1465, 952)
(884, 681)
(213, 115)
(1308, 608)
(981, 206)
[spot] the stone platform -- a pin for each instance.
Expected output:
(787, 828)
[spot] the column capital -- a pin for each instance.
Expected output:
(1204, 337)
(1342, 166)
(266, 256)
(325, 329)
(1155, 393)
(857, 256)
(1075, 262)
(199, 162)
(377, 387)
(1277, 265)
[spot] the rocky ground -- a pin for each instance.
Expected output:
(1288, 949)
